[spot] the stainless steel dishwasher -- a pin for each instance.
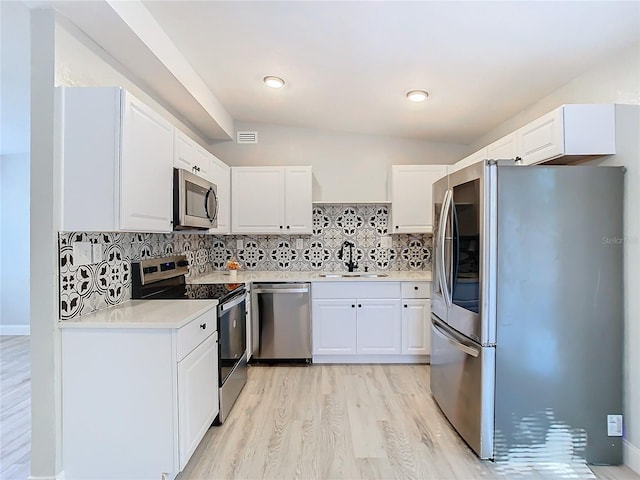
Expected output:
(281, 321)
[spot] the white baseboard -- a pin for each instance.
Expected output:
(631, 456)
(59, 476)
(15, 329)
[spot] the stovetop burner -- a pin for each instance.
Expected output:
(164, 279)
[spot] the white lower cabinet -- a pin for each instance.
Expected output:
(334, 327)
(360, 322)
(416, 318)
(197, 396)
(416, 327)
(379, 327)
(136, 402)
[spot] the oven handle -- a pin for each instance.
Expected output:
(233, 303)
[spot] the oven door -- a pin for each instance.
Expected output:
(195, 201)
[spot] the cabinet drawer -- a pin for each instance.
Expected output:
(196, 332)
(416, 289)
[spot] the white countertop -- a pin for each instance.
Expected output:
(272, 276)
(143, 314)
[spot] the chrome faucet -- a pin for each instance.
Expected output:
(350, 265)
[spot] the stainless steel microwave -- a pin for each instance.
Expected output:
(195, 202)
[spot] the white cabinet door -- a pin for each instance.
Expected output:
(543, 138)
(146, 169)
(411, 209)
(271, 200)
(416, 327)
(298, 201)
(190, 156)
(334, 327)
(221, 177)
(379, 327)
(257, 200)
(197, 396)
(505, 148)
(571, 130)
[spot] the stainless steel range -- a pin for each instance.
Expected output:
(164, 279)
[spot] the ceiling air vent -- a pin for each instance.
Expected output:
(247, 137)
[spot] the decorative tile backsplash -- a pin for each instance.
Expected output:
(87, 288)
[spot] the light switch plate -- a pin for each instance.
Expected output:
(239, 244)
(385, 241)
(299, 244)
(97, 252)
(81, 253)
(614, 425)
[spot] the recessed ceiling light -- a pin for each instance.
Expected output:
(417, 95)
(274, 82)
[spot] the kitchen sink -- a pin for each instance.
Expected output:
(352, 274)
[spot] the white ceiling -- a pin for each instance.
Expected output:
(348, 65)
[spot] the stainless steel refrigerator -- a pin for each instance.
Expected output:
(527, 310)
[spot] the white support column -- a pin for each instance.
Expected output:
(46, 431)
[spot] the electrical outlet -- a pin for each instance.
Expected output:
(81, 253)
(385, 241)
(614, 425)
(239, 244)
(299, 244)
(97, 252)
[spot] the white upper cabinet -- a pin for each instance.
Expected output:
(505, 148)
(298, 206)
(562, 136)
(190, 156)
(117, 158)
(476, 157)
(221, 177)
(410, 196)
(569, 131)
(271, 200)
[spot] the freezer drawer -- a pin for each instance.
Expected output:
(463, 383)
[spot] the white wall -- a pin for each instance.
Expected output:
(14, 158)
(616, 80)
(80, 62)
(14, 251)
(347, 167)
(628, 155)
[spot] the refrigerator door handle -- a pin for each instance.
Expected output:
(444, 286)
(474, 352)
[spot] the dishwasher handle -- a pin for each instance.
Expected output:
(281, 290)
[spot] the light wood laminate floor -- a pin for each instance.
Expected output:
(349, 422)
(317, 422)
(15, 408)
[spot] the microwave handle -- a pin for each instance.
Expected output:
(206, 204)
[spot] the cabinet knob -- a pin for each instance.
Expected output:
(405, 306)
(288, 227)
(415, 288)
(353, 306)
(359, 305)
(203, 326)
(280, 227)
(397, 227)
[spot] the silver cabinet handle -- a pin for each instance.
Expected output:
(281, 290)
